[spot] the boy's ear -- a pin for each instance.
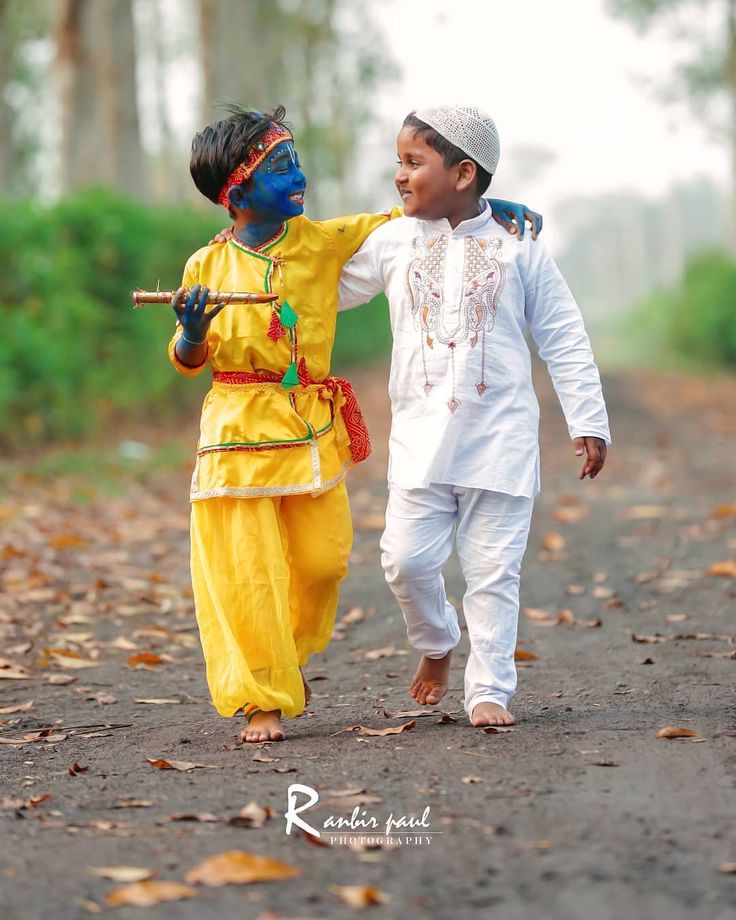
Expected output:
(466, 174)
(238, 196)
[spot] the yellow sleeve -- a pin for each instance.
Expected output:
(349, 233)
(189, 279)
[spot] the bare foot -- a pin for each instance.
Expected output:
(307, 688)
(264, 726)
(491, 714)
(430, 681)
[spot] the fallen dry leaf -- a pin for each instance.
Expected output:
(144, 659)
(498, 729)
(359, 895)
(725, 568)
(521, 654)
(75, 770)
(570, 514)
(204, 817)
(251, 815)
(675, 731)
(8, 672)
(471, 779)
(378, 732)
(134, 803)
(183, 766)
(648, 640)
(121, 873)
(553, 542)
(643, 512)
(105, 699)
(568, 618)
(234, 867)
(575, 590)
(377, 653)
(601, 592)
(724, 511)
(353, 616)
(17, 707)
(445, 719)
(61, 679)
(728, 868)
(407, 713)
(149, 893)
(535, 613)
(156, 702)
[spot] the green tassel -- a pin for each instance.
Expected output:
(290, 378)
(288, 317)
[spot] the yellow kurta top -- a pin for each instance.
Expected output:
(260, 439)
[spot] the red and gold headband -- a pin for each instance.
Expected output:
(275, 135)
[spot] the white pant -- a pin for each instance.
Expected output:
(491, 530)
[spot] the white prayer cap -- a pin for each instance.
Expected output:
(467, 127)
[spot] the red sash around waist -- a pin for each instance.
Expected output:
(360, 442)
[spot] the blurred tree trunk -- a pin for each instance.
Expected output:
(6, 115)
(96, 80)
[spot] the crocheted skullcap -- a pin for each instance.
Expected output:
(467, 127)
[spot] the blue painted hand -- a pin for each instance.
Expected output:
(513, 216)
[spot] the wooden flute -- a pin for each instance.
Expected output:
(141, 298)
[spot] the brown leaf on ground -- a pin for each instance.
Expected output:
(676, 731)
(61, 680)
(262, 757)
(121, 873)
(10, 672)
(386, 652)
(251, 815)
(408, 713)
(149, 893)
(535, 613)
(105, 699)
(353, 616)
(75, 770)
(315, 841)
(144, 659)
(234, 867)
(726, 568)
(44, 734)
(378, 732)
(521, 654)
(724, 511)
(359, 896)
(728, 868)
(498, 729)
(157, 701)
(570, 514)
(648, 640)
(37, 800)
(568, 618)
(471, 779)
(675, 617)
(643, 513)
(445, 719)
(605, 763)
(204, 817)
(553, 542)
(67, 541)
(575, 590)
(344, 793)
(17, 707)
(134, 803)
(183, 766)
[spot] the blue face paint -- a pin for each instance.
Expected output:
(272, 195)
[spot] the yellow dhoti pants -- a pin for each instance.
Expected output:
(266, 574)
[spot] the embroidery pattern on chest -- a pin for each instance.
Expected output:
(453, 324)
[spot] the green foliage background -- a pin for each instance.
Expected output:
(75, 358)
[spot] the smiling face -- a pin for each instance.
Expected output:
(275, 191)
(427, 187)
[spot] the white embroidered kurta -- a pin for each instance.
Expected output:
(464, 409)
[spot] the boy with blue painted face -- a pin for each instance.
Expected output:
(270, 527)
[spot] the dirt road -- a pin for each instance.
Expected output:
(579, 812)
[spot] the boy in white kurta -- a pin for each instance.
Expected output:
(464, 453)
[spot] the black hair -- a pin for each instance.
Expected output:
(222, 146)
(448, 151)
